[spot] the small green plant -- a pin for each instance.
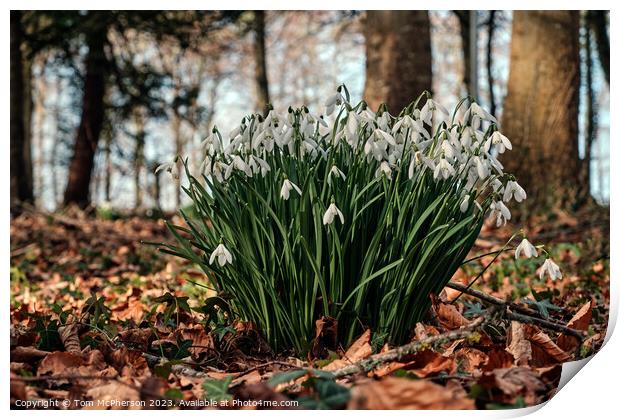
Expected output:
(358, 218)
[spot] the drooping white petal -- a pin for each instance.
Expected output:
(526, 248)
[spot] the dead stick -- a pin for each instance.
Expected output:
(369, 363)
(526, 315)
(491, 299)
(546, 324)
(176, 368)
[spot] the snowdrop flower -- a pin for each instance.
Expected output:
(515, 190)
(404, 122)
(384, 168)
(222, 254)
(551, 268)
(170, 167)
(501, 211)
(481, 167)
(332, 102)
(331, 212)
(336, 172)
(443, 170)
(258, 165)
(367, 115)
(499, 140)
(385, 136)
(218, 171)
(527, 249)
(464, 204)
(427, 110)
(351, 127)
(287, 186)
(476, 110)
(384, 121)
(212, 144)
(240, 164)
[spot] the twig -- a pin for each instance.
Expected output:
(369, 363)
(176, 368)
(546, 324)
(491, 299)
(519, 313)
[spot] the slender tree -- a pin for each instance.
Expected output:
(260, 61)
(590, 128)
(21, 161)
(489, 53)
(541, 107)
(597, 20)
(91, 121)
(398, 57)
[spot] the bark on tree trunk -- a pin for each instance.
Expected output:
(490, 78)
(262, 84)
(464, 23)
(21, 163)
(597, 20)
(107, 185)
(82, 163)
(541, 107)
(590, 113)
(139, 156)
(398, 58)
(178, 141)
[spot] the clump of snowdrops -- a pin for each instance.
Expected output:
(354, 215)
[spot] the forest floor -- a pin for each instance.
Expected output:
(101, 320)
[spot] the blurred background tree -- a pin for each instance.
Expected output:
(98, 99)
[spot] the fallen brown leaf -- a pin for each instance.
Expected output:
(404, 394)
(518, 344)
(359, 350)
(580, 321)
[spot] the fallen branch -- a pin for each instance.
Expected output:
(580, 335)
(492, 299)
(369, 363)
(176, 368)
(519, 313)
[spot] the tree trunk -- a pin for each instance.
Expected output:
(178, 141)
(262, 84)
(590, 112)
(597, 20)
(107, 183)
(38, 136)
(139, 155)
(490, 78)
(541, 107)
(21, 163)
(464, 28)
(56, 110)
(398, 58)
(82, 163)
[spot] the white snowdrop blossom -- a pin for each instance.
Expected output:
(512, 189)
(171, 167)
(526, 248)
(287, 186)
(331, 212)
(501, 212)
(500, 141)
(443, 170)
(336, 173)
(464, 204)
(222, 254)
(551, 268)
(332, 102)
